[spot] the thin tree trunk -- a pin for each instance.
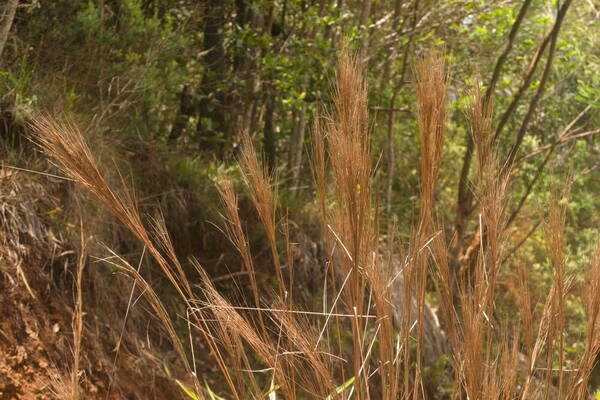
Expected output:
(365, 13)
(214, 62)
(464, 199)
(507, 47)
(269, 133)
(397, 8)
(255, 108)
(391, 154)
(186, 110)
(7, 21)
(392, 108)
(540, 89)
(298, 147)
(293, 139)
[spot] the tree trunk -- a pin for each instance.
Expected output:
(269, 133)
(213, 100)
(297, 147)
(391, 155)
(293, 138)
(186, 110)
(7, 21)
(365, 13)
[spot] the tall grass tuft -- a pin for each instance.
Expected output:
(431, 86)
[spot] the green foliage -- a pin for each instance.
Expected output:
(344, 386)
(589, 95)
(187, 391)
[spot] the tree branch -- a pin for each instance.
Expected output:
(390, 109)
(561, 138)
(538, 94)
(507, 48)
(558, 142)
(464, 196)
(521, 242)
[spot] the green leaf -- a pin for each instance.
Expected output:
(342, 387)
(187, 391)
(213, 395)
(271, 390)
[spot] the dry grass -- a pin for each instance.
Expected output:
(78, 319)
(272, 348)
(431, 75)
(579, 388)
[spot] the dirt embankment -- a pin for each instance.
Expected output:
(37, 267)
